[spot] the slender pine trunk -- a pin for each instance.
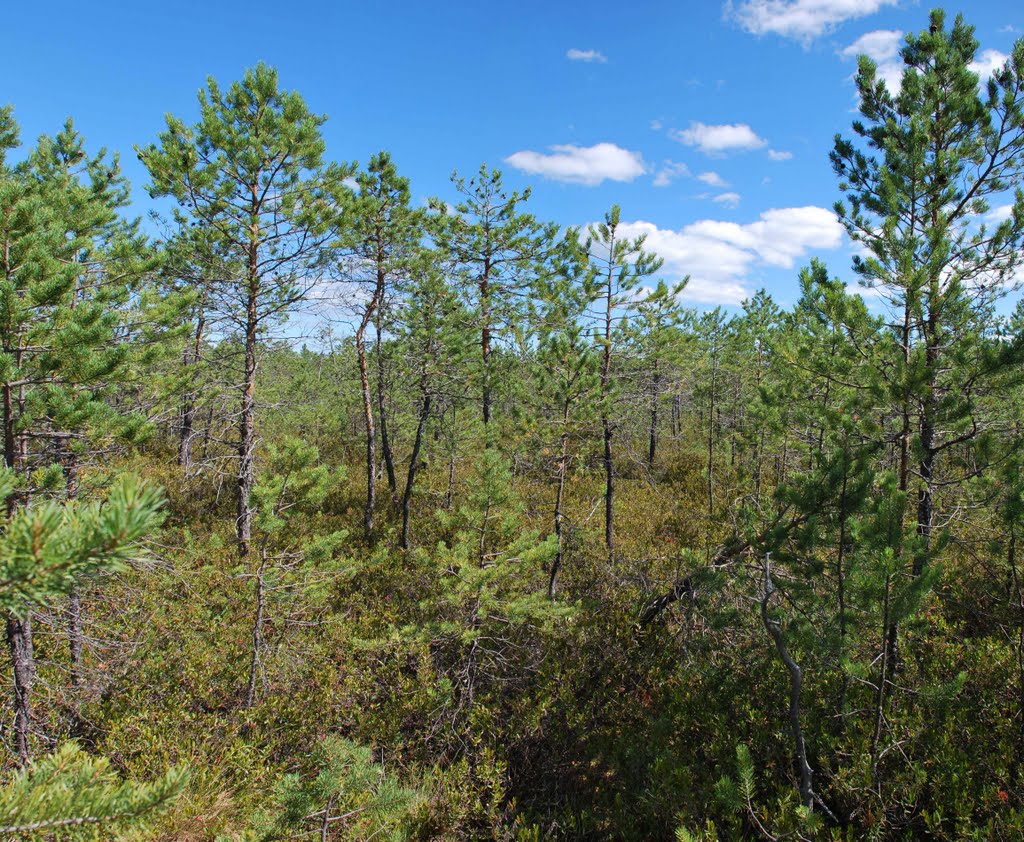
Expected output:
(257, 632)
(556, 566)
(371, 430)
(247, 430)
(385, 439)
(190, 398)
(653, 438)
(413, 468)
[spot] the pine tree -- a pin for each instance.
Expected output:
(434, 332)
(252, 172)
(567, 366)
(350, 794)
(621, 264)
(658, 343)
(712, 330)
(72, 303)
(498, 250)
(71, 795)
(930, 158)
(384, 241)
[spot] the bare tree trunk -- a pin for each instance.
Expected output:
(413, 467)
(653, 443)
(371, 431)
(19, 631)
(711, 443)
(451, 480)
(69, 462)
(19, 639)
(247, 430)
(606, 370)
(188, 407)
(925, 501)
(883, 679)
(556, 566)
(385, 440)
(257, 633)
(609, 493)
(795, 682)
(485, 342)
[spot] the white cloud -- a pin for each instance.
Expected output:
(717, 140)
(586, 55)
(656, 125)
(883, 47)
(730, 200)
(988, 63)
(779, 155)
(879, 45)
(803, 20)
(719, 256)
(670, 171)
(589, 165)
(999, 214)
(712, 179)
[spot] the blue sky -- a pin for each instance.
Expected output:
(709, 124)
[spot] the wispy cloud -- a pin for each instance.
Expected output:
(719, 139)
(586, 55)
(712, 179)
(802, 20)
(587, 165)
(669, 171)
(730, 200)
(999, 214)
(779, 155)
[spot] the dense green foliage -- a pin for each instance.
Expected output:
(520, 547)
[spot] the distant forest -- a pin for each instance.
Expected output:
(517, 546)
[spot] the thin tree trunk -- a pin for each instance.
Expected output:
(926, 503)
(257, 633)
(653, 439)
(247, 429)
(609, 494)
(413, 467)
(795, 683)
(19, 639)
(485, 342)
(69, 462)
(188, 407)
(841, 584)
(563, 459)
(371, 431)
(606, 427)
(883, 677)
(19, 631)
(711, 444)
(385, 439)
